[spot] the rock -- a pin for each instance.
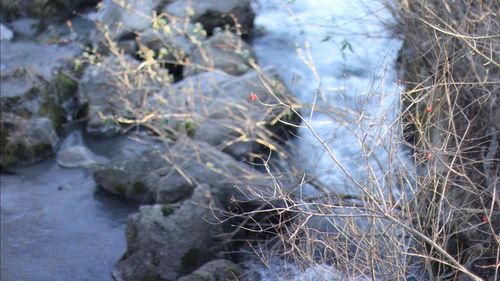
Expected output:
(224, 112)
(25, 28)
(140, 178)
(214, 271)
(171, 42)
(224, 51)
(5, 33)
(33, 77)
(214, 13)
(44, 60)
(156, 176)
(43, 9)
(167, 241)
(25, 141)
(78, 29)
(34, 85)
(76, 156)
(107, 97)
(131, 16)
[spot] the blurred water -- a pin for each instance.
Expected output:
(340, 57)
(56, 225)
(353, 54)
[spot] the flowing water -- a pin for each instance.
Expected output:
(55, 226)
(338, 57)
(354, 88)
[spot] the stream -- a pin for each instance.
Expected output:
(55, 225)
(354, 57)
(338, 57)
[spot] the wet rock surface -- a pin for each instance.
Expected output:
(34, 86)
(158, 246)
(76, 156)
(26, 141)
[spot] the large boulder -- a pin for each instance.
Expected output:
(224, 51)
(121, 18)
(25, 141)
(171, 42)
(214, 271)
(45, 60)
(35, 85)
(167, 241)
(215, 13)
(167, 45)
(159, 176)
(237, 114)
(113, 89)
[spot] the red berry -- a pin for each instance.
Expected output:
(429, 109)
(485, 219)
(253, 96)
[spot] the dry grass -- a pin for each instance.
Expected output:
(446, 227)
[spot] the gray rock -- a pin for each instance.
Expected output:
(224, 114)
(5, 33)
(26, 141)
(40, 130)
(25, 27)
(107, 97)
(215, 270)
(34, 85)
(133, 16)
(45, 60)
(167, 177)
(167, 241)
(224, 51)
(140, 178)
(214, 13)
(173, 42)
(78, 29)
(213, 107)
(76, 156)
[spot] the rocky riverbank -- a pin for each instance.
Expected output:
(179, 72)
